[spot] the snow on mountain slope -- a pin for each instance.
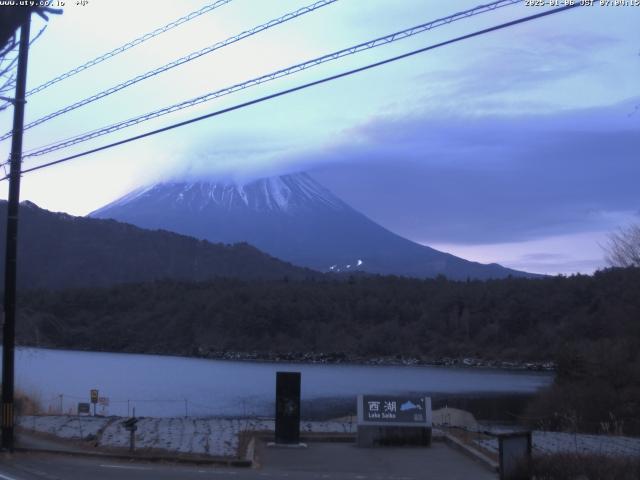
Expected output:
(288, 193)
(291, 217)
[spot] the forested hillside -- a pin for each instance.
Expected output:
(520, 319)
(57, 251)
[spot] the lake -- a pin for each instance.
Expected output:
(174, 386)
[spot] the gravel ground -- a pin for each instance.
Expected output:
(208, 436)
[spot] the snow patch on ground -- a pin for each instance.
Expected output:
(558, 442)
(220, 436)
(64, 426)
(203, 436)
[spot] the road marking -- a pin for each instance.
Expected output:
(126, 467)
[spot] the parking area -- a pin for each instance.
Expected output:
(346, 461)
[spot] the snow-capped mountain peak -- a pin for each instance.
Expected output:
(286, 193)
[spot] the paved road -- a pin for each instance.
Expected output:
(321, 461)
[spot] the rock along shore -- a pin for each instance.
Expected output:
(342, 358)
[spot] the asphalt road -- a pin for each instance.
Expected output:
(321, 461)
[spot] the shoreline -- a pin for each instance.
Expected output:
(335, 359)
(396, 361)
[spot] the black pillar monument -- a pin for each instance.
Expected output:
(287, 408)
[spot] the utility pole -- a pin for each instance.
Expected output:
(13, 206)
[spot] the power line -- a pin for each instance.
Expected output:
(180, 61)
(270, 76)
(304, 86)
(131, 44)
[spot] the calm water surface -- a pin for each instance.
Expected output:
(170, 386)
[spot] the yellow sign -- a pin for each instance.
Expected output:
(94, 396)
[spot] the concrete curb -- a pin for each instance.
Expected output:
(250, 453)
(470, 452)
(227, 462)
(312, 438)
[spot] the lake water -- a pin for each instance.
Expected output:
(175, 386)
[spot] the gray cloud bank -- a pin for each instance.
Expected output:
(490, 179)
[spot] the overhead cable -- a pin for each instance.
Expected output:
(269, 77)
(180, 61)
(137, 41)
(304, 86)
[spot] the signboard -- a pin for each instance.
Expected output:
(84, 408)
(385, 410)
(94, 396)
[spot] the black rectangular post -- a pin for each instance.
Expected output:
(514, 453)
(288, 408)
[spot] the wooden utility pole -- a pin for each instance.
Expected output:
(13, 206)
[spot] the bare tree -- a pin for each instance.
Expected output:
(623, 247)
(10, 21)
(8, 61)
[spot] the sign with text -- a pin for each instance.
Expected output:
(94, 396)
(394, 411)
(84, 408)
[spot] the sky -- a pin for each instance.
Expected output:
(518, 147)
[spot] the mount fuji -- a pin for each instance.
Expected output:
(291, 217)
